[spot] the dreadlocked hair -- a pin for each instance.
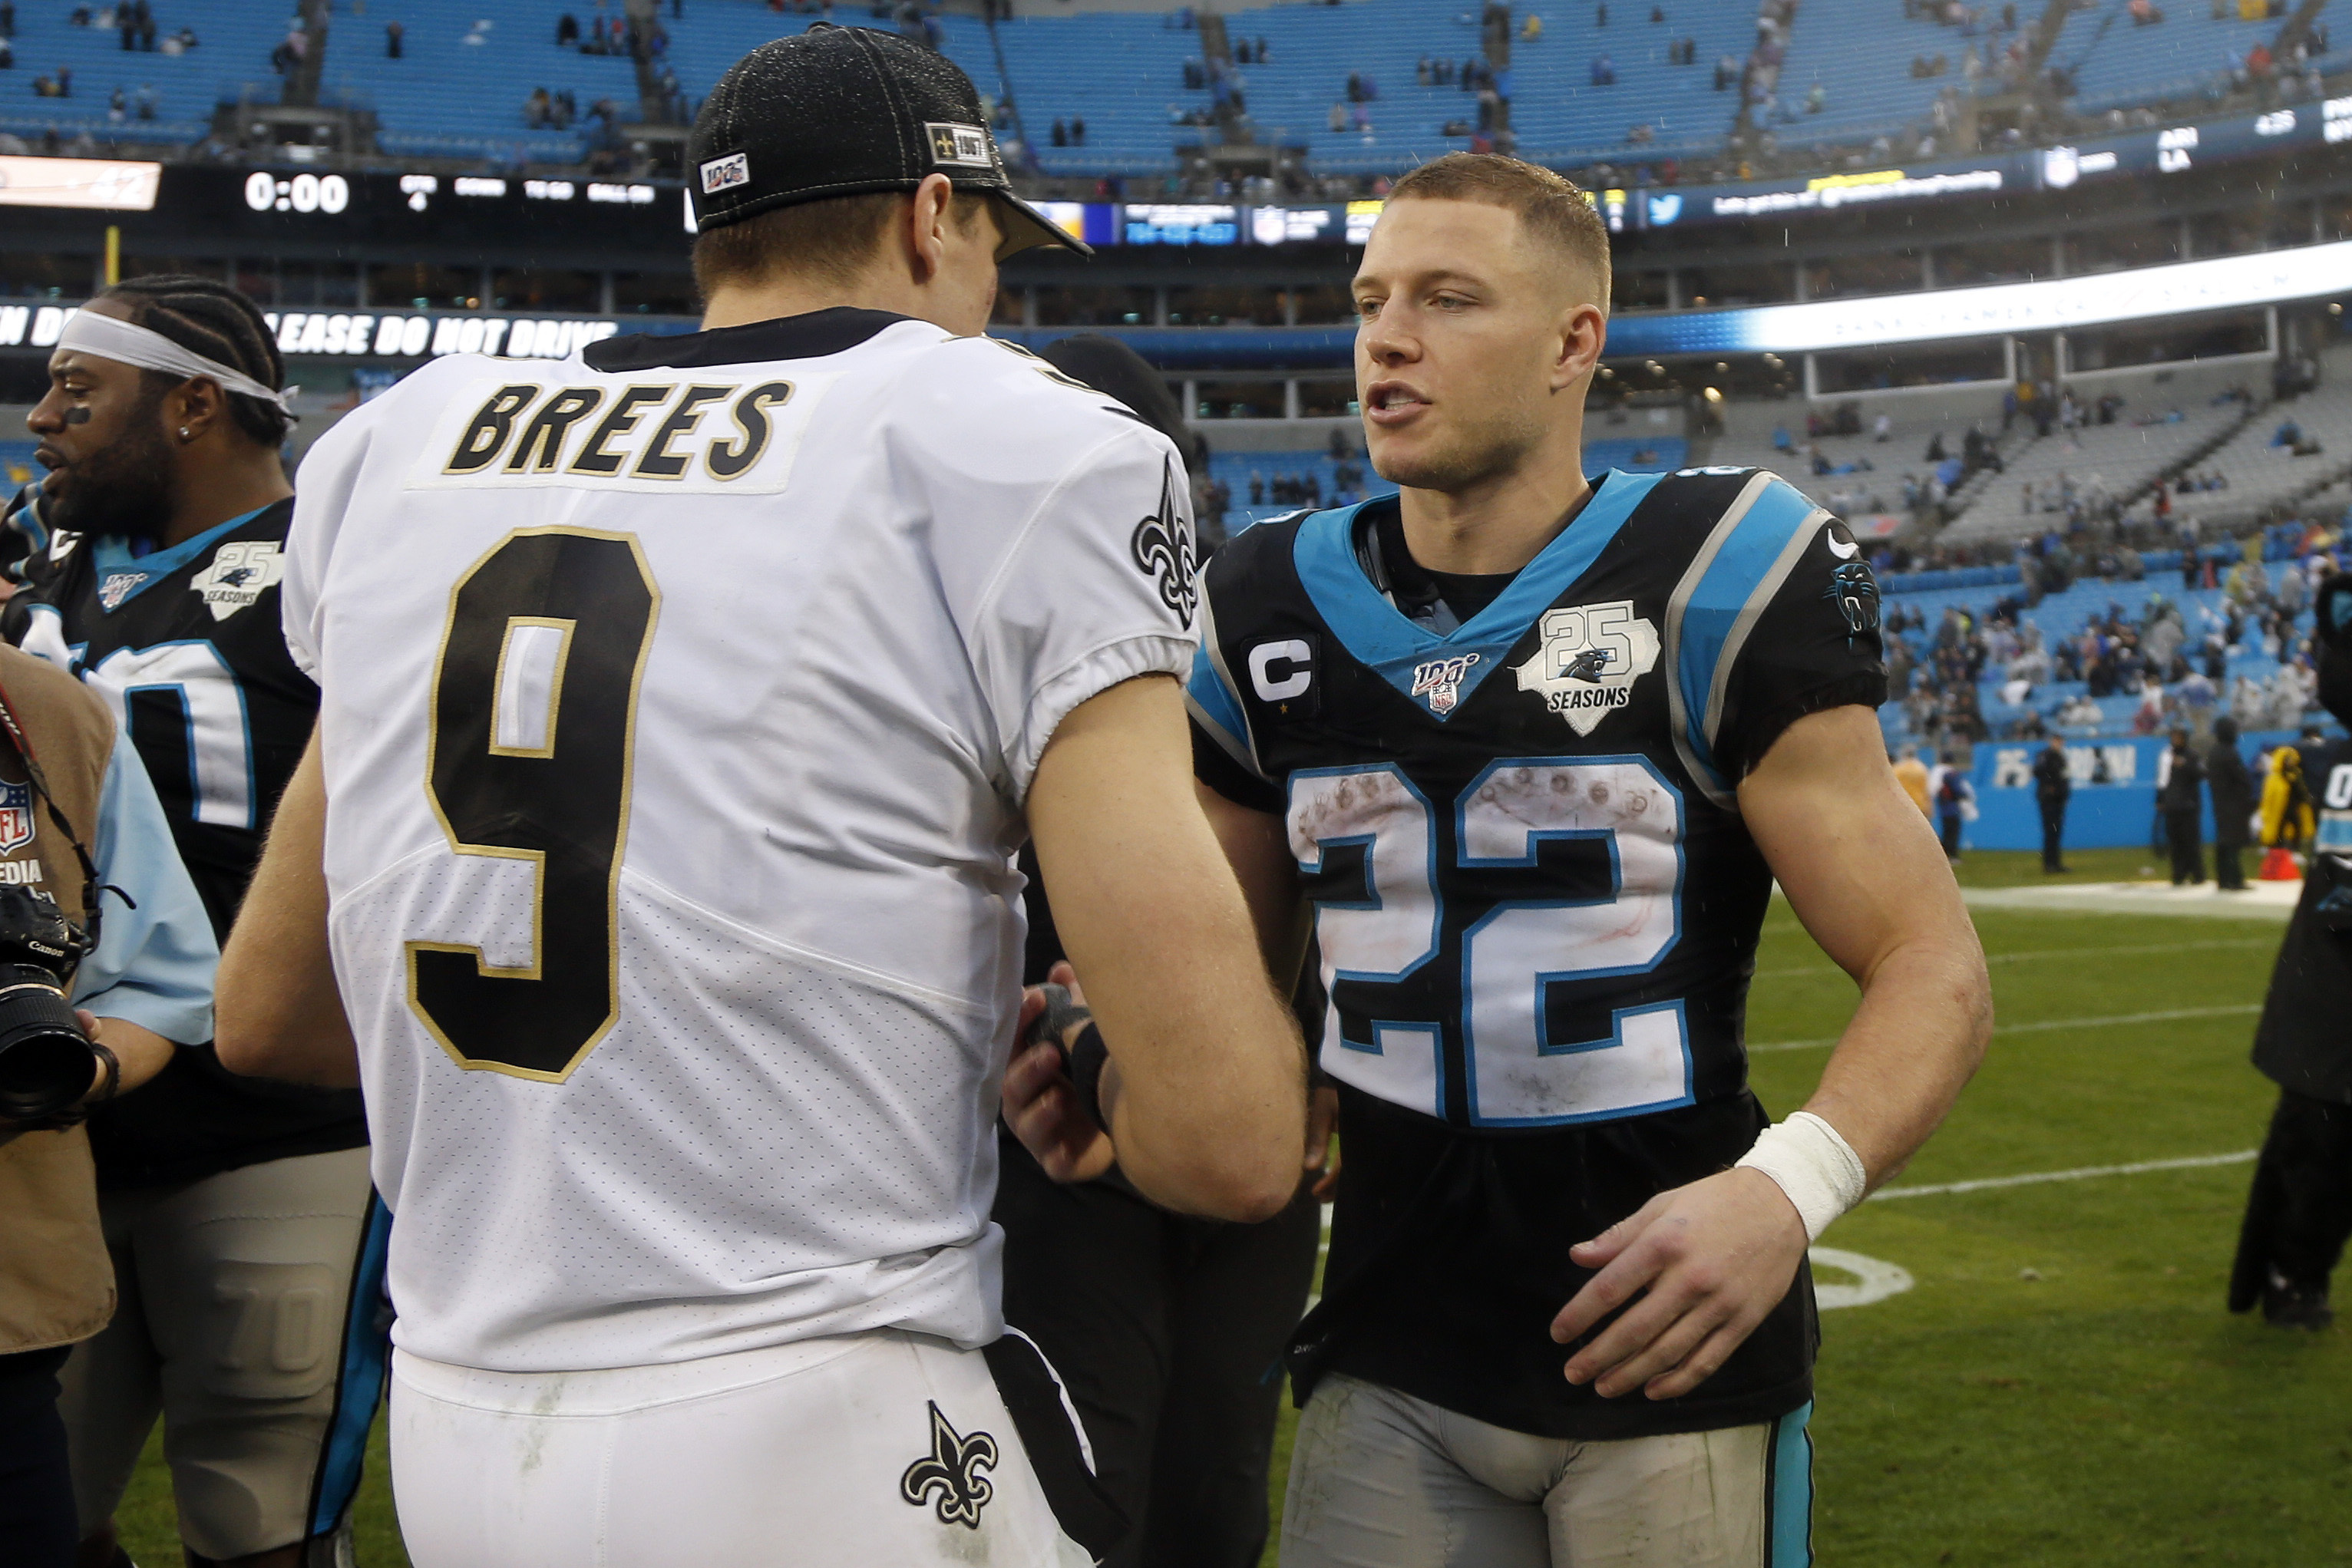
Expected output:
(214, 320)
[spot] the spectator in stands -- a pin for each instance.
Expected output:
(7, 18)
(2181, 798)
(567, 31)
(1060, 134)
(7, 53)
(1603, 71)
(1532, 30)
(1077, 130)
(392, 37)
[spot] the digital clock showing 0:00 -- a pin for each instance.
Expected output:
(265, 192)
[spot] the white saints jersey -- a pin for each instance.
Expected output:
(679, 706)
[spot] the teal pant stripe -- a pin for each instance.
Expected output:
(1791, 1506)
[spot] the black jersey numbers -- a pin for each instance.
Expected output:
(534, 725)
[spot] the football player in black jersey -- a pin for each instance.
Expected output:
(238, 1213)
(2299, 1213)
(1534, 750)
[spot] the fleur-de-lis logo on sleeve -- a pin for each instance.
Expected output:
(1162, 547)
(948, 1476)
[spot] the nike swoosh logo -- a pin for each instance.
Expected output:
(1844, 549)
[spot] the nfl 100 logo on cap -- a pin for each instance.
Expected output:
(962, 144)
(724, 173)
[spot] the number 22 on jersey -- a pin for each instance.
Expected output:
(1520, 1067)
(534, 731)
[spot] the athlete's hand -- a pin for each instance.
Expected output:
(1322, 1122)
(1714, 1257)
(1041, 1103)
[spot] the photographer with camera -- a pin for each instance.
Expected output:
(106, 960)
(153, 576)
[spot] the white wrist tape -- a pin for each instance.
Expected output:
(1818, 1169)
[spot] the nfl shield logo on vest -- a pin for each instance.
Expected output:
(1440, 681)
(16, 817)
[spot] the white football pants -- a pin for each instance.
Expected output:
(862, 1449)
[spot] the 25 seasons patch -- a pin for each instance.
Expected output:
(1590, 658)
(241, 572)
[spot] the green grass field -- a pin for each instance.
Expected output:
(2060, 1389)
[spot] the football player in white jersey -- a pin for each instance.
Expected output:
(684, 704)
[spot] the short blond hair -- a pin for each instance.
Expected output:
(1552, 210)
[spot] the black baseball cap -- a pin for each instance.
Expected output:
(843, 111)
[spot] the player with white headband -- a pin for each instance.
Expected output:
(93, 332)
(153, 576)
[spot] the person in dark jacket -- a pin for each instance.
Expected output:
(2233, 805)
(2299, 1214)
(2182, 801)
(2051, 787)
(1953, 794)
(1164, 1328)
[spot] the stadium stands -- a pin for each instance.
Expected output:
(1865, 474)
(231, 55)
(2116, 460)
(2259, 464)
(1557, 114)
(2117, 63)
(1861, 51)
(460, 87)
(1123, 74)
(465, 71)
(2250, 681)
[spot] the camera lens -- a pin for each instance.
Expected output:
(46, 1062)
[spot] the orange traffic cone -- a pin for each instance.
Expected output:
(2279, 865)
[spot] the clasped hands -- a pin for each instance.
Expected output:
(1695, 1269)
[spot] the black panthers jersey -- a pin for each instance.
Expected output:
(2299, 1043)
(183, 644)
(1536, 905)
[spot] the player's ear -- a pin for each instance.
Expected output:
(1582, 330)
(191, 409)
(928, 223)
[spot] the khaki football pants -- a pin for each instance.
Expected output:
(233, 1293)
(1381, 1479)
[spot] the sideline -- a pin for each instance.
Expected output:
(2272, 902)
(2084, 1173)
(2037, 954)
(2044, 1026)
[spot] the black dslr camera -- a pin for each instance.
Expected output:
(46, 1060)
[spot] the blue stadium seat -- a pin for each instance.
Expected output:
(447, 97)
(232, 47)
(2121, 64)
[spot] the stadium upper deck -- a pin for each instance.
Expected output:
(1351, 87)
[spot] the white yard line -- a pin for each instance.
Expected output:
(2037, 956)
(2189, 1163)
(2044, 1026)
(2269, 901)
